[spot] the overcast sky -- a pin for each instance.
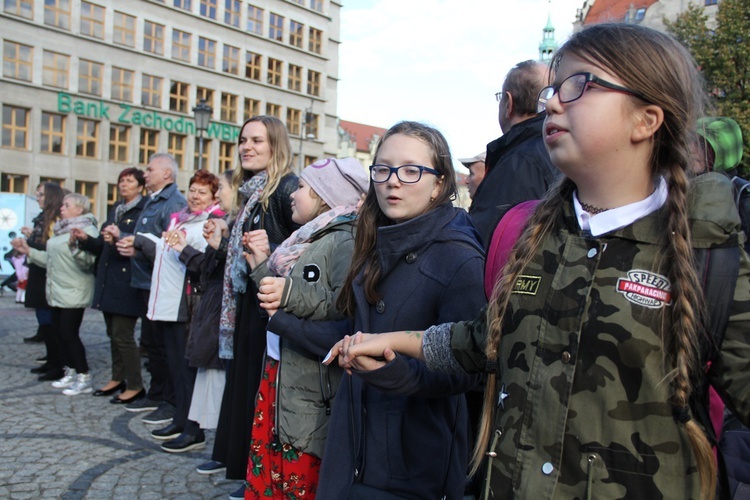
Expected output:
(439, 61)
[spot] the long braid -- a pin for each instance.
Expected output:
(540, 224)
(681, 325)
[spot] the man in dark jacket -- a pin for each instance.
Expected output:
(518, 167)
(164, 199)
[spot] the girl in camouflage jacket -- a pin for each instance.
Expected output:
(591, 338)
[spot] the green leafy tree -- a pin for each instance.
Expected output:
(723, 54)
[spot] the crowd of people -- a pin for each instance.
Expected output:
(332, 326)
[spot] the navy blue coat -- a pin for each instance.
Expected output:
(112, 290)
(410, 432)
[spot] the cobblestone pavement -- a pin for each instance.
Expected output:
(55, 446)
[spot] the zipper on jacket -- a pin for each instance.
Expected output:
(324, 376)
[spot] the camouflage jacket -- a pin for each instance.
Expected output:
(582, 404)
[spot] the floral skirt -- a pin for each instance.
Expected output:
(276, 470)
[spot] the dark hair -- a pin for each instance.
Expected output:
(524, 82)
(281, 156)
(53, 199)
(205, 178)
(657, 67)
(371, 217)
(137, 174)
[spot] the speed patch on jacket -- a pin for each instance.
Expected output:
(311, 273)
(527, 285)
(645, 288)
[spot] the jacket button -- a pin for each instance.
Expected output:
(380, 307)
(491, 454)
(124, 269)
(565, 357)
(547, 468)
(592, 253)
(411, 257)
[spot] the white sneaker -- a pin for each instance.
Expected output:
(67, 380)
(80, 386)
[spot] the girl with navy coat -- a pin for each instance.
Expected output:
(417, 259)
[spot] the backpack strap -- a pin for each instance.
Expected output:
(740, 185)
(504, 238)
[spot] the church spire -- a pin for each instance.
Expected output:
(548, 46)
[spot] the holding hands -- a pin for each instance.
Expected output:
(111, 234)
(257, 246)
(175, 238)
(77, 234)
(214, 230)
(362, 352)
(26, 231)
(20, 245)
(125, 246)
(269, 294)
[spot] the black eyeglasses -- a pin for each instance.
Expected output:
(499, 96)
(408, 174)
(572, 88)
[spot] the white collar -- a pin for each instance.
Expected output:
(616, 218)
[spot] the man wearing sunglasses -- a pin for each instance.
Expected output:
(518, 167)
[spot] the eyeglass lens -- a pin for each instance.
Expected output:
(405, 173)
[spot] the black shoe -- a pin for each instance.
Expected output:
(52, 375)
(239, 493)
(211, 467)
(33, 339)
(118, 388)
(42, 369)
(162, 415)
(144, 404)
(185, 442)
(119, 401)
(169, 432)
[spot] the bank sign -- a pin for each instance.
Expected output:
(126, 114)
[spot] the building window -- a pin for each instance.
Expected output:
(151, 91)
(640, 14)
(122, 84)
(59, 182)
(153, 38)
(295, 78)
(148, 145)
(274, 72)
(90, 76)
(273, 110)
(232, 13)
(119, 143)
(92, 20)
(711, 2)
(208, 8)
(113, 196)
(311, 125)
(254, 20)
(206, 53)
(13, 183)
(178, 97)
(89, 190)
(252, 65)
(53, 133)
(252, 108)
(316, 5)
(23, 8)
(55, 69)
(226, 155)
(313, 82)
(205, 94)
(228, 107)
(206, 153)
(176, 147)
(86, 138)
(183, 4)
(276, 27)
(57, 13)
(295, 33)
(231, 60)
(15, 127)
(17, 61)
(293, 121)
(316, 40)
(124, 30)
(181, 45)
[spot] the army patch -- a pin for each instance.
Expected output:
(645, 288)
(527, 285)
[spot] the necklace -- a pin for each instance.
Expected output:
(592, 209)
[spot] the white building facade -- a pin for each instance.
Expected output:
(90, 88)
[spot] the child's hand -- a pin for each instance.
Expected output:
(269, 293)
(361, 352)
(258, 248)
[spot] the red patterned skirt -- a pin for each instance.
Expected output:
(276, 470)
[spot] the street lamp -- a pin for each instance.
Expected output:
(202, 118)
